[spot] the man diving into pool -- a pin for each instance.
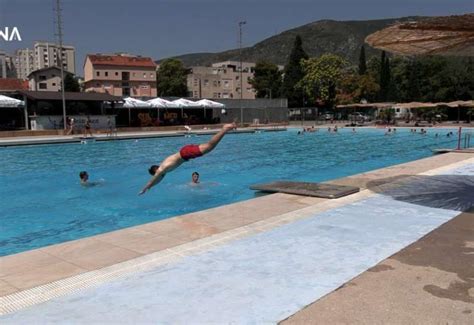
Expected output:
(186, 153)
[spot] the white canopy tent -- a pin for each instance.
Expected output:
(186, 103)
(162, 103)
(6, 101)
(130, 103)
(9, 102)
(206, 103)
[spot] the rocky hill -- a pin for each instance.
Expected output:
(324, 36)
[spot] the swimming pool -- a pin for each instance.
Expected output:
(42, 203)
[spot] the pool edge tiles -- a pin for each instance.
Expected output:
(259, 226)
(261, 278)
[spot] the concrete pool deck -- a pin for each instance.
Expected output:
(59, 269)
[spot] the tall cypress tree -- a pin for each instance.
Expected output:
(413, 83)
(362, 61)
(384, 76)
(293, 74)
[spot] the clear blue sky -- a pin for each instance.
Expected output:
(163, 28)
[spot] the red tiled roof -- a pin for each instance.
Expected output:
(118, 60)
(13, 84)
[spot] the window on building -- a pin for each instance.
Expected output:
(43, 85)
(151, 74)
(219, 83)
(97, 73)
(116, 73)
(144, 74)
(106, 73)
(54, 84)
(214, 95)
(206, 82)
(196, 94)
(133, 74)
(218, 95)
(237, 89)
(226, 83)
(236, 77)
(215, 83)
(41, 77)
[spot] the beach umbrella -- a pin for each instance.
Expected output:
(448, 35)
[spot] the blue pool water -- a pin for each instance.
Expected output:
(42, 202)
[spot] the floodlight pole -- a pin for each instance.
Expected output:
(241, 23)
(60, 59)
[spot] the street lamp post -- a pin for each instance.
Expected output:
(60, 59)
(241, 23)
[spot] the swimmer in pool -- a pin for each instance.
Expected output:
(195, 178)
(186, 153)
(84, 176)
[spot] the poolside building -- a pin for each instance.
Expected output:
(221, 80)
(46, 79)
(120, 75)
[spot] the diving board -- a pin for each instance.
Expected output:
(322, 190)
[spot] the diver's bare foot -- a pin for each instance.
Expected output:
(229, 126)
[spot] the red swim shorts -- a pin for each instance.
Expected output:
(190, 151)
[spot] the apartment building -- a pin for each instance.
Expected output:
(221, 80)
(46, 79)
(7, 69)
(43, 55)
(120, 75)
(23, 61)
(46, 54)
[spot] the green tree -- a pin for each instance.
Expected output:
(387, 115)
(70, 83)
(293, 74)
(384, 76)
(362, 61)
(322, 76)
(353, 88)
(171, 78)
(267, 80)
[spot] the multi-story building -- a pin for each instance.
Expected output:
(47, 55)
(7, 69)
(222, 80)
(46, 79)
(43, 55)
(120, 75)
(24, 63)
